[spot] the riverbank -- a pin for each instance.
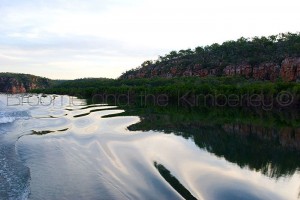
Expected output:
(191, 91)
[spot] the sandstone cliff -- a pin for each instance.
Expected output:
(287, 70)
(21, 83)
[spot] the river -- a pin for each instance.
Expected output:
(61, 147)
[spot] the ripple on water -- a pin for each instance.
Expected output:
(101, 158)
(14, 176)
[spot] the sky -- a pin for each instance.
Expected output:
(69, 39)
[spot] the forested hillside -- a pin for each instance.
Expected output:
(260, 58)
(20, 83)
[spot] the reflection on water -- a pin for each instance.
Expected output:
(166, 174)
(258, 142)
(105, 152)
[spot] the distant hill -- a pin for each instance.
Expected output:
(264, 58)
(21, 83)
(83, 83)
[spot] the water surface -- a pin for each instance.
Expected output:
(67, 149)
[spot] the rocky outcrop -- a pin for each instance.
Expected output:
(266, 71)
(21, 83)
(229, 70)
(288, 70)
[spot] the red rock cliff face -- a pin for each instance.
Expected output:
(21, 83)
(244, 70)
(266, 71)
(11, 85)
(290, 69)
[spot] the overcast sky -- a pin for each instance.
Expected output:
(67, 39)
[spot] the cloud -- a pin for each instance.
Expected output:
(118, 35)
